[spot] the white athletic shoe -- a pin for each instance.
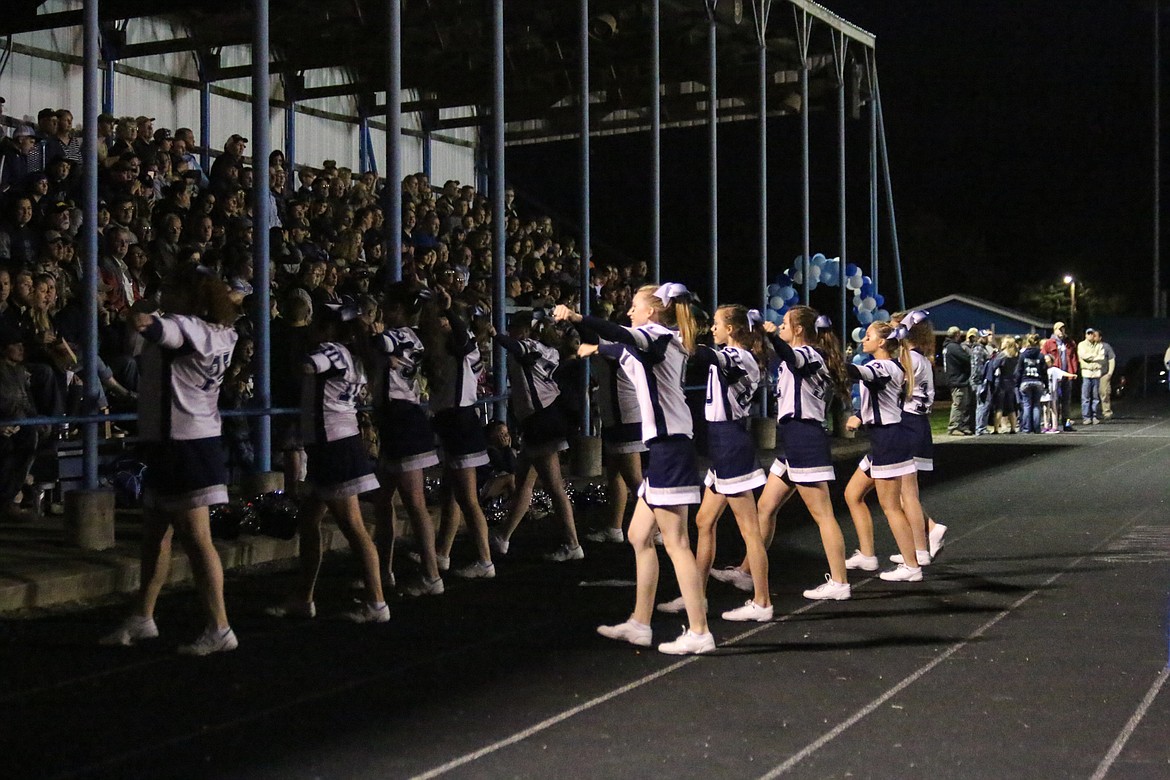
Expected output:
(733, 575)
(477, 571)
(424, 587)
(294, 609)
(673, 606)
(442, 561)
(859, 561)
(902, 574)
(750, 611)
(499, 544)
(368, 613)
(132, 630)
(211, 641)
(924, 558)
(830, 590)
(565, 553)
(631, 631)
(689, 643)
(606, 535)
(936, 538)
(658, 539)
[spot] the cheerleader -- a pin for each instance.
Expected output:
(884, 391)
(407, 441)
(187, 352)
(453, 366)
(811, 370)
(916, 419)
(654, 357)
(544, 430)
(733, 376)
(339, 468)
(621, 443)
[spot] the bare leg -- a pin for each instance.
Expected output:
(855, 492)
(775, 494)
(410, 487)
(706, 519)
(889, 496)
(348, 514)
(618, 494)
(915, 515)
(522, 500)
(312, 513)
(155, 561)
(816, 498)
(743, 506)
(672, 522)
(641, 537)
(384, 529)
(549, 468)
(451, 517)
(194, 529)
(463, 487)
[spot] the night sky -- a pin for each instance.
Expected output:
(1021, 148)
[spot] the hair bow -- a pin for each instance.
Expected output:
(824, 323)
(908, 322)
(754, 318)
(669, 291)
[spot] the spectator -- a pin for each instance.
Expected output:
(1063, 352)
(225, 171)
(980, 386)
(1031, 374)
(18, 161)
(18, 443)
(957, 370)
(1001, 372)
(1107, 368)
(1091, 356)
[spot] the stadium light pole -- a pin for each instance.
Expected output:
(805, 30)
(840, 51)
(262, 210)
(656, 140)
(499, 356)
(713, 149)
(1158, 159)
(1072, 302)
(586, 195)
(89, 238)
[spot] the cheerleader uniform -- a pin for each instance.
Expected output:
(183, 364)
(407, 440)
(916, 412)
(453, 395)
(653, 358)
(891, 445)
(733, 375)
(339, 465)
(803, 388)
(534, 395)
(617, 406)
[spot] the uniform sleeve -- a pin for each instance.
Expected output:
(169, 333)
(325, 359)
(610, 331)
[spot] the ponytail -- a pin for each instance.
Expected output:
(898, 343)
(688, 329)
(672, 301)
(830, 349)
(746, 330)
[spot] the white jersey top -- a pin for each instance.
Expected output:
(655, 364)
(404, 351)
(457, 384)
(183, 365)
(921, 399)
(330, 394)
(803, 385)
(881, 390)
(530, 375)
(732, 380)
(617, 400)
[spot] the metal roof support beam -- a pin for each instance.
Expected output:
(172, 46)
(393, 186)
(203, 63)
(89, 237)
(293, 84)
(804, 32)
(840, 53)
(885, 160)
(656, 140)
(817, 11)
(873, 174)
(760, 12)
(112, 42)
(713, 150)
(499, 357)
(261, 237)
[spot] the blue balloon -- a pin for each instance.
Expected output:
(818, 259)
(774, 316)
(866, 289)
(881, 300)
(864, 317)
(773, 289)
(788, 293)
(851, 269)
(881, 315)
(829, 277)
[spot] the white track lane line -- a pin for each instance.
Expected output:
(1131, 726)
(852, 720)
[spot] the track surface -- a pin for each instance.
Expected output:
(1036, 648)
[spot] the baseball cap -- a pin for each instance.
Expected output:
(237, 137)
(972, 332)
(24, 130)
(162, 134)
(1090, 330)
(1058, 326)
(144, 118)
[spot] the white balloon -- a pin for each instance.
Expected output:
(853, 282)
(864, 317)
(798, 276)
(868, 305)
(858, 334)
(814, 273)
(776, 302)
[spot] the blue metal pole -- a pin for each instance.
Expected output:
(889, 193)
(290, 142)
(873, 181)
(805, 198)
(108, 53)
(763, 169)
(586, 198)
(841, 73)
(262, 211)
(656, 141)
(89, 238)
(394, 138)
(713, 151)
(499, 364)
(205, 121)
(363, 137)
(427, 153)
